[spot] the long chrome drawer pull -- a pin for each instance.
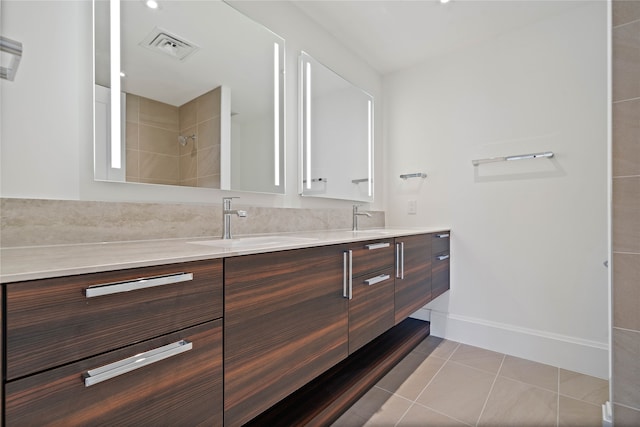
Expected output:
(442, 236)
(350, 274)
(402, 260)
(377, 279)
(344, 275)
(397, 260)
(133, 285)
(442, 257)
(377, 245)
(112, 370)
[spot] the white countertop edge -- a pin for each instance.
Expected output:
(42, 262)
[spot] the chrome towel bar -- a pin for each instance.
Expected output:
(547, 154)
(413, 175)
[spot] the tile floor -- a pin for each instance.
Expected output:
(444, 383)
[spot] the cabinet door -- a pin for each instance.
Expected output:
(371, 308)
(183, 389)
(413, 275)
(285, 322)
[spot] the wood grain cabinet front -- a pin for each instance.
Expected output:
(413, 274)
(440, 264)
(53, 322)
(371, 307)
(285, 323)
(173, 380)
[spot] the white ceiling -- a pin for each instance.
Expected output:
(394, 34)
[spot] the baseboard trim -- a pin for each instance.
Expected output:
(571, 353)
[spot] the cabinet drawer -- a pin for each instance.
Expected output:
(371, 310)
(439, 274)
(372, 256)
(440, 242)
(54, 321)
(181, 389)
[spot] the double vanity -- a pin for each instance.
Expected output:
(194, 331)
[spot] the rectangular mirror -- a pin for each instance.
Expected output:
(336, 141)
(198, 92)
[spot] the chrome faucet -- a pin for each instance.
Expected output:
(226, 216)
(355, 216)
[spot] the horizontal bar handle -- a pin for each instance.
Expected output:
(358, 181)
(442, 236)
(133, 285)
(545, 154)
(112, 370)
(405, 176)
(316, 180)
(442, 257)
(377, 279)
(381, 245)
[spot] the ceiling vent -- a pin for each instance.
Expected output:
(162, 41)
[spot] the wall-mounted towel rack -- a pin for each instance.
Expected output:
(547, 154)
(358, 181)
(413, 175)
(13, 48)
(316, 180)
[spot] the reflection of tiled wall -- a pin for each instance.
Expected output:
(34, 222)
(200, 159)
(154, 154)
(626, 213)
(152, 141)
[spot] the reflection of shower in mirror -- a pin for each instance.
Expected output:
(183, 140)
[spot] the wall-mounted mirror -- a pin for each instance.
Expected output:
(198, 90)
(336, 141)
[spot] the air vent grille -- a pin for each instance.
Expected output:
(162, 41)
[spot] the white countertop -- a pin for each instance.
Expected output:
(40, 262)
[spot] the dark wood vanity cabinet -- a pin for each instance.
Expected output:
(371, 307)
(413, 274)
(151, 346)
(64, 334)
(285, 322)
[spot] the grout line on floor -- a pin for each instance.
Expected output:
(490, 390)
(436, 374)
(442, 413)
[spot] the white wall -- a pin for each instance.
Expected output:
(529, 238)
(47, 112)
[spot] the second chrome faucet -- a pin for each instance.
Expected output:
(226, 216)
(356, 214)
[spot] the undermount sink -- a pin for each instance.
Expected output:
(254, 242)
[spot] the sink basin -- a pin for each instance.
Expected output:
(255, 242)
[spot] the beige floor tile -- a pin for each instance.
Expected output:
(370, 403)
(478, 358)
(411, 375)
(458, 391)
(577, 413)
(390, 413)
(349, 419)
(513, 403)
(533, 373)
(421, 416)
(438, 347)
(583, 387)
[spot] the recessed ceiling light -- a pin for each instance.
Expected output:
(152, 4)
(444, 1)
